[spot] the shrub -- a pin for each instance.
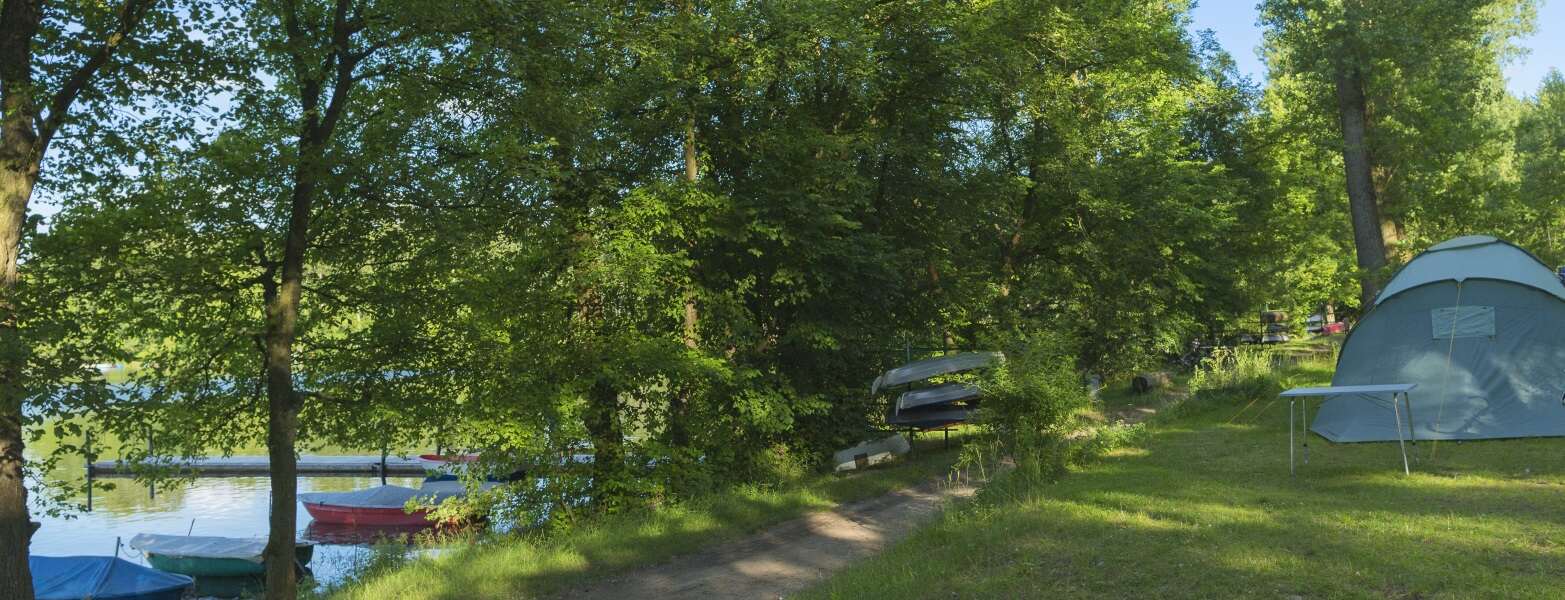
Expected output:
(1230, 374)
(1029, 402)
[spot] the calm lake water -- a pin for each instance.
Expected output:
(229, 506)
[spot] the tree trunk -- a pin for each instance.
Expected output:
(24, 138)
(282, 318)
(1368, 243)
(608, 461)
(282, 431)
(16, 185)
(946, 337)
(20, 157)
(282, 300)
(678, 409)
(692, 166)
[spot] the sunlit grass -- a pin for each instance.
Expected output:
(1205, 508)
(533, 565)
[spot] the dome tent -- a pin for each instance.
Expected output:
(1479, 325)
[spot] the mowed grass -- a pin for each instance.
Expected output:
(1204, 508)
(537, 565)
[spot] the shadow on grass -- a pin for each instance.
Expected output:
(1206, 509)
(535, 565)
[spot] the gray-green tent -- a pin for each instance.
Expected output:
(1479, 325)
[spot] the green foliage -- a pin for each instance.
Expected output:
(1442, 129)
(682, 238)
(1029, 405)
(1229, 374)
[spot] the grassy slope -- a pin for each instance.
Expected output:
(1205, 509)
(532, 566)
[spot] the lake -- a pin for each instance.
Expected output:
(227, 506)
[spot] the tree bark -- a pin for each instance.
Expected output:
(1368, 243)
(20, 157)
(608, 459)
(282, 425)
(678, 407)
(316, 127)
(24, 139)
(15, 531)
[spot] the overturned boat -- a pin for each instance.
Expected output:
(935, 406)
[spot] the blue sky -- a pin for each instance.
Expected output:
(1233, 21)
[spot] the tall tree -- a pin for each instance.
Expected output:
(1540, 149)
(280, 270)
(52, 56)
(1353, 113)
(1412, 88)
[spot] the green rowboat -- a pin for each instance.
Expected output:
(203, 556)
(207, 566)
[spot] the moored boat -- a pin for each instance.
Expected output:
(102, 578)
(379, 506)
(206, 556)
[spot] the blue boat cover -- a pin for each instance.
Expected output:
(100, 578)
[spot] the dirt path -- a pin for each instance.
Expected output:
(786, 558)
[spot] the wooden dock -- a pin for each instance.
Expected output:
(260, 466)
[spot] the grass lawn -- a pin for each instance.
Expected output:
(527, 566)
(1203, 507)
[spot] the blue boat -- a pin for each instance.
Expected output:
(102, 578)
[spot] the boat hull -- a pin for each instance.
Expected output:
(203, 566)
(356, 515)
(196, 566)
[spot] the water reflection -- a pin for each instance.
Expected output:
(363, 535)
(230, 507)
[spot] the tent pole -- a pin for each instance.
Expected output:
(1291, 472)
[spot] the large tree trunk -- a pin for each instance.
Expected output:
(1368, 243)
(679, 405)
(282, 317)
(24, 138)
(16, 186)
(20, 156)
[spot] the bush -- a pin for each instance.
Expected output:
(1231, 374)
(1028, 406)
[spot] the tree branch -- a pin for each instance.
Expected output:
(130, 17)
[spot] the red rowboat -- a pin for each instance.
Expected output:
(365, 515)
(381, 506)
(446, 459)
